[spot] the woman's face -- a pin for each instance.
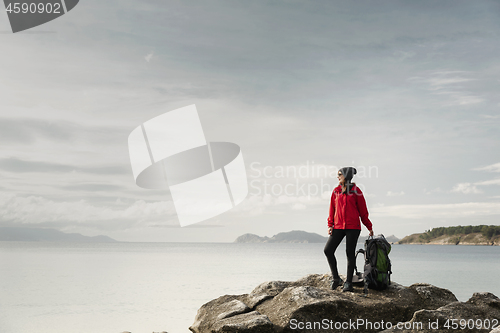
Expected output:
(341, 177)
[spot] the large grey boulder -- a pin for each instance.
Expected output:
(308, 304)
(480, 311)
(245, 322)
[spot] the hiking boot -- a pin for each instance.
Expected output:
(335, 283)
(347, 287)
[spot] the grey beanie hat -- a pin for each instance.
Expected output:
(348, 172)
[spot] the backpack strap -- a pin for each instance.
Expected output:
(356, 257)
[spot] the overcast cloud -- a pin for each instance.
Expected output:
(409, 89)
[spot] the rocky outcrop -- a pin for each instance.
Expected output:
(308, 304)
(460, 239)
(480, 311)
(413, 239)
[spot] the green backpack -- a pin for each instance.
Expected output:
(377, 270)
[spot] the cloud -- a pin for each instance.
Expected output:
(37, 210)
(438, 83)
(466, 188)
(149, 56)
(489, 182)
(395, 194)
(257, 204)
(457, 210)
(298, 206)
(449, 84)
(13, 164)
(195, 226)
(461, 98)
(491, 168)
(436, 190)
(29, 130)
(92, 187)
(402, 55)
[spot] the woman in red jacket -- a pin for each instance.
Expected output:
(347, 206)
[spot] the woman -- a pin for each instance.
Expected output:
(347, 206)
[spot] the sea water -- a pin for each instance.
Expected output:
(154, 287)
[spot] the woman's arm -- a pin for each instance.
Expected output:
(331, 214)
(363, 211)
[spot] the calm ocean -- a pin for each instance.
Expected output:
(146, 287)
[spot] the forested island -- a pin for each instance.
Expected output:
(457, 235)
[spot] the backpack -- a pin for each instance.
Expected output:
(377, 270)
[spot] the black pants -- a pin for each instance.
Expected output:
(333, 242)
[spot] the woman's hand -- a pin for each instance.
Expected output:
(330, 230)
(371, 233)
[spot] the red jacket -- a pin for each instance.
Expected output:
(346, 209)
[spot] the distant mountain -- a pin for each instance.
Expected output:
(296, 236)
(391, 239)
(251, 238)
(25, 234)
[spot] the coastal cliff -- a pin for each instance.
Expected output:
(457, 235)
(458, 239)
(308, 304)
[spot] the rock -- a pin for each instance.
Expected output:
(218, 310)
(271, 288)
(315, 303)
(253, 322)
(265, 291)
(469, 316)
(280, 306)
(233, 308)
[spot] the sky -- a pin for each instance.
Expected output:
(406, 92)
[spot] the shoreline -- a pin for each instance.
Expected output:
(457, 239)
